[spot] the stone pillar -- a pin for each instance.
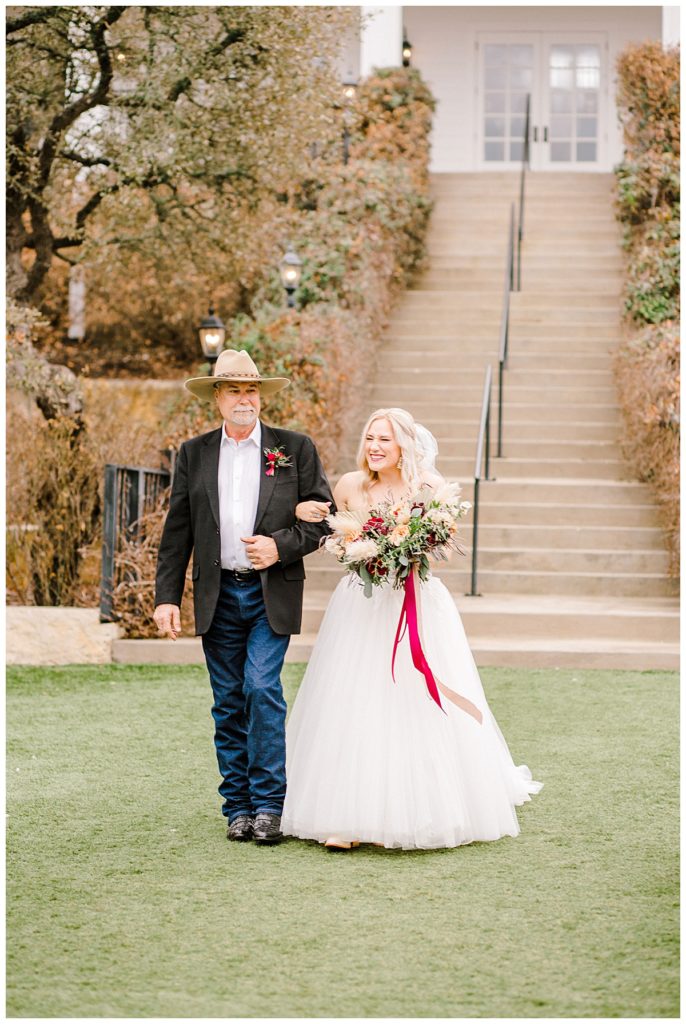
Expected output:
(381, 43)
(671, 33)
(77, 304)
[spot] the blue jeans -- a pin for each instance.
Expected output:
(244, 658)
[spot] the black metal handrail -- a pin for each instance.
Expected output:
(505, 325)
(513, 281)
(483, 461)
(526, 155)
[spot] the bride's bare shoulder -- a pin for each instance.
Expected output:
(349, 486)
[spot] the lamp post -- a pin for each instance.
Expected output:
(349, 92)
(290, 269)
(407, 51)
(212, 334)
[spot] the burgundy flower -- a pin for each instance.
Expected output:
(374, 523)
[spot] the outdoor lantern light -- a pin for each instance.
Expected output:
(407, 52)
(290, 269)
(349, 92)
(212, 334)
(349, 89)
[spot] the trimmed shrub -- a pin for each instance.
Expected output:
(648, 204)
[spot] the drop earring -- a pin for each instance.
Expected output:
(399, 464)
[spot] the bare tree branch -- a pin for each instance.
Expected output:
(72, 111)
(32, 17)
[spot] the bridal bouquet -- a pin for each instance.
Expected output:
(384, 545)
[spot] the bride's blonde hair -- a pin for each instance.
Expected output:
(403, 429)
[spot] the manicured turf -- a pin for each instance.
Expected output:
(124, 898)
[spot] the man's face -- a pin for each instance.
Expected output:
(239, 404)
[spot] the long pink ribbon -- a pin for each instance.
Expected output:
(409, 621)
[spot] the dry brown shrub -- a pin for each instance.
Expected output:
(647, 370)
(53, 509)
(648, 202)
(134, 590)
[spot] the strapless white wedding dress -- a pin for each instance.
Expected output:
(377, 761)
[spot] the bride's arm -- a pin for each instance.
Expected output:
(315, 511)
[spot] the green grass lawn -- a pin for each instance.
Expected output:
(125, 900)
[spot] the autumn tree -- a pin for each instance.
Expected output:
(158, 132)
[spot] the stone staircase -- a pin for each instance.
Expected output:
(572, 565)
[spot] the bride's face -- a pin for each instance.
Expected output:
(380, 447)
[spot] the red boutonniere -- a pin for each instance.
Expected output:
(276, 459)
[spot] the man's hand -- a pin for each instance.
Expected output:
(262, 551)
(168, 619)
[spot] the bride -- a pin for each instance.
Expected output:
(373, 760)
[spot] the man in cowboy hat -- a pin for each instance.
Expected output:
(232, 506)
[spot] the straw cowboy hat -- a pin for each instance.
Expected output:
(238, 367)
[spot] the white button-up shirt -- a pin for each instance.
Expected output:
(239, 491)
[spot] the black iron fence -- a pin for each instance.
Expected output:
(131, 492)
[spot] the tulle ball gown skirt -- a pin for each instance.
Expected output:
(377, 761)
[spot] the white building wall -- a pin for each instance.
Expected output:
(444, 50)
(671, 26)
(382, 38)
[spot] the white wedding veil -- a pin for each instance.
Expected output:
(427, 447)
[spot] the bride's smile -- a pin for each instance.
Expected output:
(381, 449)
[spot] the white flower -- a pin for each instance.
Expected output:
(446, 493)
(334, 545)
(360, 551)
(349, 524)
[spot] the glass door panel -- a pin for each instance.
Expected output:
(566, 76)
(573, 102)
(507, 75)
(574, 80)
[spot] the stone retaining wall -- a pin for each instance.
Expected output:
(58, 636)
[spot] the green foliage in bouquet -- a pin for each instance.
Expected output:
(395, 538)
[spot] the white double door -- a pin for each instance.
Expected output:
(566, 76)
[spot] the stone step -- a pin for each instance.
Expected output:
(452, 342)
(574, 491)
(510, 468)
(573, 303)
(534, 515)
(461, 447)
(549, 281)
(452, 360)
(463, 229)
(454, 373)
(515, 412)
(537, 211)
(485, 323)
(446, 429)
(636, 656)
(536, 558)
(610, 538)
(545, 618)
(533, 262)
(470, 389)
(621, 654)
(534, 581)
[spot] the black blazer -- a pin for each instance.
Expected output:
(192, 526)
